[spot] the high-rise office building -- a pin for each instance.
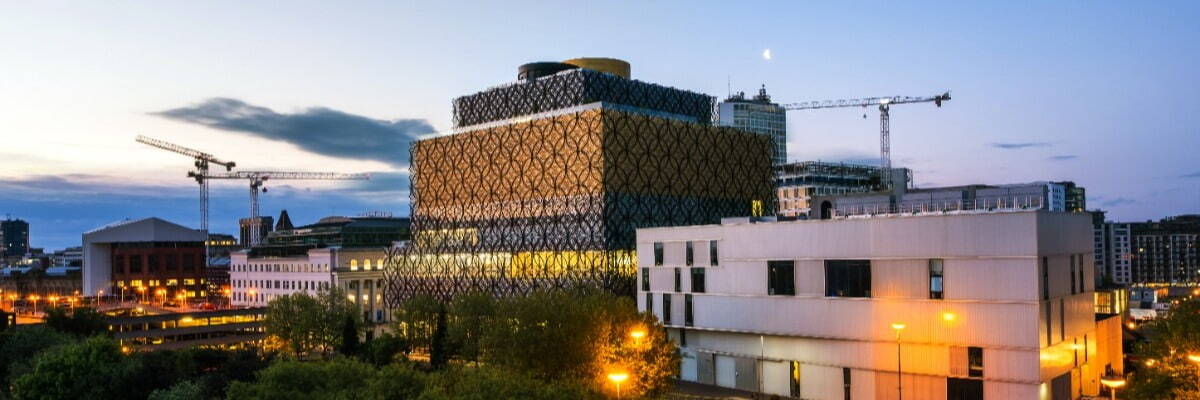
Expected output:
(543, 181)
(759, 115)
(1166, 251)
(14, 236)
(246, 225)
(1112, 250)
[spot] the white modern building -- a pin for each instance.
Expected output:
(991, 305)
(758, 115)
(256, 280)
(149, 252)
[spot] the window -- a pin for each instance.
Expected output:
(678, 281)
(666, 308)
(1045, 278)
(354, 265)
(781, 278)
(1082, 285)
(645, 279)
(794, 376)
(367, 264)
(975, 362)
(688, 254)
(1072, 274)
(658, 253)
(650, 303)
(848, 278)
(712, 252)
(935, 278)
(846, 383)
(697, 280)
(687, 309)
(964, 389)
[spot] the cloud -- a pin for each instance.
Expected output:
(318, 129)
(1120, 201)
(1191, 175)
(1020, 145)
(1064, 157)
(72, 186)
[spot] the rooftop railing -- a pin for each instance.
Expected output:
(983, 205)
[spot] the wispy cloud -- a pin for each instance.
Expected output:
(319, 130)
(1191, 175)
(1120, 201)
(1063, 157)
(1019, 145)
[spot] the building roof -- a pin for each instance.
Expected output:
(152, 229)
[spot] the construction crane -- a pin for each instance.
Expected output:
(258, 178)
(884, 103)
(202, 161)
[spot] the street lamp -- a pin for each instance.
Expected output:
(100, 298)
(637, 335)
(34, 299)
(899, 377)
(53, 300)
(142, 290)
(252, 294)
(617, 378)
(1113, 382)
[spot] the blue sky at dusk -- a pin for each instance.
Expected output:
(1101, 93)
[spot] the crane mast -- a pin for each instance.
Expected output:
(258, 178)
(884, 104)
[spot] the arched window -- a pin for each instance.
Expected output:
(367, 264)
(353, 265)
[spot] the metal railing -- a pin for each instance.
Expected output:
(981, 205)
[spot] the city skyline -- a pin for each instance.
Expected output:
(1076, 91)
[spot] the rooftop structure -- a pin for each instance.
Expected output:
(1051, 196)
(758, 115)
(797, 183)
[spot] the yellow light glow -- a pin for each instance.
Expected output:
(898, 326)
(1194, 358)
(1131, 325)
(186, 320)
(949, 316)
(1113, 382)
(1150, 362)
(637, 334)
(618, 377)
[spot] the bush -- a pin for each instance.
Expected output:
(485, 383)
(92, 369)
(339, 378)
(184, 390)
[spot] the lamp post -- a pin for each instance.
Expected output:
(899, 375)
(100, 298)
(252, 294)
(34, 299)
(637, 335)
(1114, 382)
(617, 378)
(142, 290)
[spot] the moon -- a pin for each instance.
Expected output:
(767, 54)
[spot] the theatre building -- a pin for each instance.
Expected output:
(150, 258)
(993, 304)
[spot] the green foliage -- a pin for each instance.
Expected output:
(470, 314)
(339, 378)
(350, 332)
(308, 324)
(398, 381)
(184, 390)
(1171, 340)
(486, 383)
(581, 337)
(439, 354)
(81, 321)
(416, 320)
(384, 350)
(94, 368)
(20, 346)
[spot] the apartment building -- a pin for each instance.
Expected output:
(960, 305)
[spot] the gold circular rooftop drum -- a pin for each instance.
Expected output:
(610, 65)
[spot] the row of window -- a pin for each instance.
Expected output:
(689, 253)
(289, 285)
(136, 283)
(280, 268)
(971, 361)
(153, 263)
(843, 278)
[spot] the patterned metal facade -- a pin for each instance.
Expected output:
(553, 201)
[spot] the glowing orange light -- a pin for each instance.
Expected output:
(949, 316)
(898, 326)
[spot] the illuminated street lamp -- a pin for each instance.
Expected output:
(637, 335)
(100, 298)
(142, 290)
(12, 298)
(53, 300)
(617, 378)
(34, 299)
(252, 294)
(1113, 382)
(896, 326)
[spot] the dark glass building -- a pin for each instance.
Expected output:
(15, 236)
(544, 181)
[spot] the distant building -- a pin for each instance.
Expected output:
(285, 222)
(758, 115)
(220, 246)
(343, 252)
(1050, 196)
(1167, 251)
(150, 253)
(246, 225)
(1113, 249)
(796, 183)
(14, 237)
(968, 304)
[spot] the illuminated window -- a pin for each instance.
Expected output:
(935, 278)
(354, 265)
(172, 282)
(367, 264)
(135, 283)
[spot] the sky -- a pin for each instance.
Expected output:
(1096, 92)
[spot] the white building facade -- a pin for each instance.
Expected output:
(994, 305)
(255, 281)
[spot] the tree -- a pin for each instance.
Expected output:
(439, 354)
(82, 321)
(470, 314)
(350, 333)
(415, 321)
(20, 346)
(339, 378)
(184, 390)
(581, 336)
(488, 382)
(384, 349)
(91, 369)
(1171, 375)
(308, 324)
